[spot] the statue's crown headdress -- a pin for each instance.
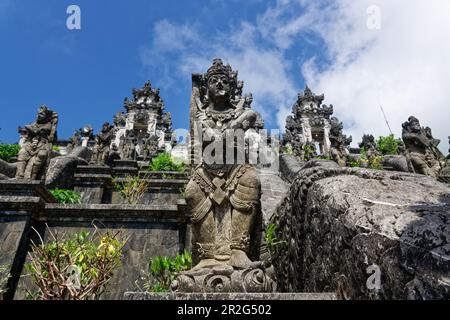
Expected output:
(218, 68)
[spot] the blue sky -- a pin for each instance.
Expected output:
(85, 74)
(276, 45)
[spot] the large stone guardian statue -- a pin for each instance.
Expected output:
(422, 153)
(339, 142)
(36, 146)
(223, 197)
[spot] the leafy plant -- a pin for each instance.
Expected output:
(9, 151)
(165, 162)
(163, 270)
(309, 151)
(376, 163)
(288, 150)
(56, 148)
(388, 145)
(271, 238)
(66, 196)
(77, 268)
(132, 188)
(4, 277)
(353, 163)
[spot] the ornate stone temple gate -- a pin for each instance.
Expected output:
(310, 123)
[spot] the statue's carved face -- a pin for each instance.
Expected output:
(105, 127)
(42, 116)
(218, 87)
(414, 126)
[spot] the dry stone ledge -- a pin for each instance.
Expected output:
(7, 170)
(336, 222)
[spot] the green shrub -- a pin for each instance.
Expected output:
(308, 150)
(132, 188)
(376, 163)
(163, 270)
(77, 268)
(165, 162)
(353, 163)
(56, 148)
(66, 196)
(271, 238)
(9, 151)
(4, 276)
(288, 150)
(388, 145)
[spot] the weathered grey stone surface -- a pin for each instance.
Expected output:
(338, 221)
(228, 296)
(8, 169)
(225, 278)
(61, 170)
(289, 167)
(12, 230)
(273, 191)
(396, 163)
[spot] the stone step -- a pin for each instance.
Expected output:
(126, 163)
(110, 212)
(24, 190)
(229, 296)
(124, 171)
(93, 169)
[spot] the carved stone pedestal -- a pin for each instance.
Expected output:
(224, 279)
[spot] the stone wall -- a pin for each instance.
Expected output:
(14, 230)
(336, 222)
(151, 231)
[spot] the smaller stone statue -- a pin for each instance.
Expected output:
(129, 147)
(339, 142)
(167, 121)
(75, 141)
(423, 155)
(370, 147)
(151, 147)
(87, 134)
(102, 145)
(120, 120)
(36, 148)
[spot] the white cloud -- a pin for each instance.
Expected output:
(403, 66)
(169, 37)
(264, 70)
